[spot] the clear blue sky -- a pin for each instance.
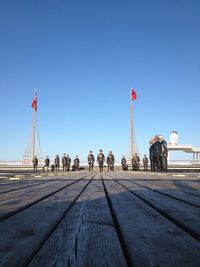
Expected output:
(83, 57)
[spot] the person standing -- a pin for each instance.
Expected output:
(110, 160)
(100, 160)
(164, 154)
(145, 163)
(35, 163)
(91, 160)
(123, 163)
(57, 163)
(64, 162)
(137, 158)
(134, 163)
(157, 151)
(76, 163)
(68, 163)
(47, 162)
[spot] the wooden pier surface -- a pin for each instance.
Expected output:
(100, 219)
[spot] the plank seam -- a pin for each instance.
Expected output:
(117, 227)
(164, 214)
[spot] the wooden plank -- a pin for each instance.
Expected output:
(177, 194)
(184, 215)
(85, 237)
(149, 238)
(15, 185)
(11, 203)
(22, 235)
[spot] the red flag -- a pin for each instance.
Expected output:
(34, 103)
(133, 94)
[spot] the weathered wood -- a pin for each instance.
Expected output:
(22, 235)
(149, 238)
(13, 185)
(182, 196)
(13, 202)
(85, 237)
(180, 213)
(177, 194)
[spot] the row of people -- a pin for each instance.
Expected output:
(157, 155)
(135, 163)
(66, 162)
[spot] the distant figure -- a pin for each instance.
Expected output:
(76, 163)
(135, 162)
(110, 160)
(164, 154)
(64, 162)
(157, 152)
(151, 154)
(35, 163)
(124, 164)
(47, 163)
(145, 163)
(57, 163)
(91, 160)
(68, 163)
(100, 160)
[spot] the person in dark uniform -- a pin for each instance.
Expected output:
(47, 162)
(76, 163)
(164, 154)
(134, 163)
(91, 160)
(100, 160)
(64, 162)
(35, 163)
(137, 158)
(57, 163)
(68, 163)
(157, 151)
(123, 163)
(110, 160)
(145, 163)
(151, 155)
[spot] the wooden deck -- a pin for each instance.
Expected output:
(108, 219)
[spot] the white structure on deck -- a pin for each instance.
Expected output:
(174, 146)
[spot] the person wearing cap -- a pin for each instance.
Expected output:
(110, 160)
(68, 162)
(157, 152)
(100, 160)
(124, 163)
(35, 163)
(76, 163)
(57, 163)
(47, 162)
(91, 160)
(164, 154)
(145, 162)
(64, 162)
(151, 154)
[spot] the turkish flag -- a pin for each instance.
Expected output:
(133, 94)
(34, 103)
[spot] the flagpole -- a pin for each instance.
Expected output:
(34, 122)
(131, 127)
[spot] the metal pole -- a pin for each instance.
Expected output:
(131, 129)
(34, 127)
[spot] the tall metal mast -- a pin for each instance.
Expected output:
(131, 128)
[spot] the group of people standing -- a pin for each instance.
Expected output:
(157, 154)
(66, 162)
